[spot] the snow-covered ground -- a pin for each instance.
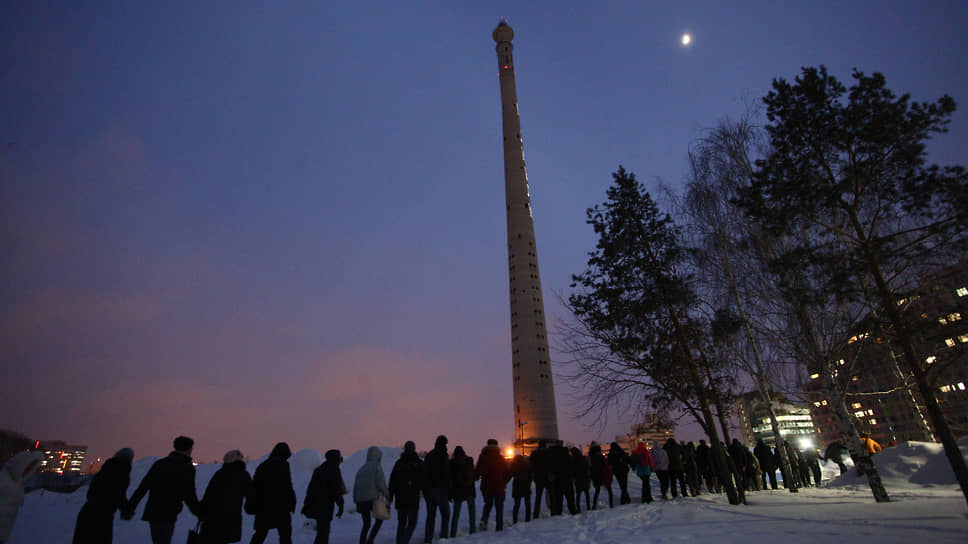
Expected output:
(926, 506)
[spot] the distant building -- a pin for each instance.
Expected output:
(795, 422)
(881, 395)
(654, 428)
(60, 457)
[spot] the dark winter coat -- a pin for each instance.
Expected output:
(601, 471)
(107, 493)
(406, 481)
(275, 499)
(704, 458)
(834, 452)
(541, 466)
(689, 458)
(171, 482)
(436, 469)
(619, 461)
(674, 450)
(326, 488)
(764, 456)
(560, 463)
(222, 503)
(738, 453)
(493, 471)
(811, 457)
(580, 470)
(521, 472)
(462, 476)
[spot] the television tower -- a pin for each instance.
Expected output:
(535, 416)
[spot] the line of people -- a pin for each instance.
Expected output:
(560, 474)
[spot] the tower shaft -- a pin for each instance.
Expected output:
(534, 393)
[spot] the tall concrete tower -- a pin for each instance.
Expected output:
(534, 390)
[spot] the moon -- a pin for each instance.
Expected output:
(686, 39)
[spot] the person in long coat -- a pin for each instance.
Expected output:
(12, 477)
(643, 465)
(677, 469)
(170, 482)
(562, 484)
(222, 501)
(581, 474)
(763, 454)
(494, 474)
(601, 474)
(107, 493)
(834, 452)
(540, 473)
(323, 494)
(437, 488)
(406, 481)
(521, 487)
(692, 468)
(660, 460)
(369, 485)
(704, 464)
(275, 499)
(462, 479)
(619, 461)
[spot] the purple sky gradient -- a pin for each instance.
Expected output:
(251, 223)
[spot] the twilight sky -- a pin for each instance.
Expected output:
(249, 222)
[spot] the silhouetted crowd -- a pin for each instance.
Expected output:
(560, 475)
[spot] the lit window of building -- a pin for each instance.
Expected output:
(61, 457)
(855, 405)
(963, 338)
(950, 342)
(814, 376)
(942, 321)
(931, 359)
(954, 317)
(961, 386)
(962, 291)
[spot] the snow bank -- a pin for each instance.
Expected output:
(910, 463)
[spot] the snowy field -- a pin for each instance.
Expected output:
(927, 508)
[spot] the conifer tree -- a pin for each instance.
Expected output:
(635, 299)
(848, 168)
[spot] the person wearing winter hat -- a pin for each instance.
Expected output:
(222, 502)
(437, 488)
(494, 473)
(323, 494)
(106, 493)
(406, 481)
(462, 479)
(275, 499)
(170, 482)
(12, 477)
